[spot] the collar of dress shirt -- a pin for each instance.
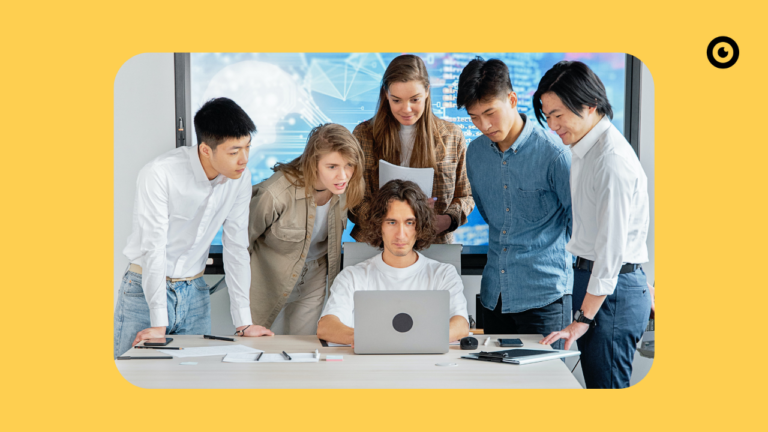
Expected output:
(524, 134)
(197, 167)
(581, 148)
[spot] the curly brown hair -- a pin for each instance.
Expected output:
(404, 191)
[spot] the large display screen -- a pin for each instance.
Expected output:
(287, 94)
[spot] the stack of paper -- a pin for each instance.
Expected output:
(421, 176)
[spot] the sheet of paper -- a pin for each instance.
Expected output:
(271, 358)
(421, 176)
(210, 351)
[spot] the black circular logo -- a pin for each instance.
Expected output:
(723, 52)
(402, 322)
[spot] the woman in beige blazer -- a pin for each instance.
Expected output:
(297, 217)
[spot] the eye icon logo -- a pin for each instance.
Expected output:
(723, 52)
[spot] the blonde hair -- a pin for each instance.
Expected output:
(386, 128)
(325, 139)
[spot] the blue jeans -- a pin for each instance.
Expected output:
(607, 350)
(544, 320)
(189, 310)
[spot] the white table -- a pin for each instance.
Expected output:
(355, 371)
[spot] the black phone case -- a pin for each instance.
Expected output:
(167, 341)
(510, 345)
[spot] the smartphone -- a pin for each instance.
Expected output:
(160, 342)
(510, 343)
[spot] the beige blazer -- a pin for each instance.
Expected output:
(280, 227)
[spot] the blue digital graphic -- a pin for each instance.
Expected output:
(287, 95)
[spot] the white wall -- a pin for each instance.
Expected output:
(647, 156)
(144, 129)
(642, 365)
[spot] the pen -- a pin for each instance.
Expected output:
(150, 347)
(218, 338)
(287, 357)
(488, 339)
(259, 356)
(145, 358)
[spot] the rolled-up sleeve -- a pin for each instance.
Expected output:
(236, 258)
(152, 217)
(613, 202)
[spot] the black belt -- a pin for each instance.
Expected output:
(585, 264)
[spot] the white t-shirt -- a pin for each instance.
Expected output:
(375, 275)
(318, 246)
(406, 141)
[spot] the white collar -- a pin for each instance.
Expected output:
(581, 148)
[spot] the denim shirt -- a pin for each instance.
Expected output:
(524, 196)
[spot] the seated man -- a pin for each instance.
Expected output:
(401, 222)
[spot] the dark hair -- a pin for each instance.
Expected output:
(481, 81)
(576, 85)
(404, 191)
(220, 119)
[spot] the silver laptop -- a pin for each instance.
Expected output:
(401, 322)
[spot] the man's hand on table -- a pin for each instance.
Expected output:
(149, 333)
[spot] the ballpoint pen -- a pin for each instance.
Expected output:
(287, 357)
(145, 358)
(218, 338)
(158, 347)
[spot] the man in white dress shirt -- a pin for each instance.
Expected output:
(609, 193)
(401, 222)
(182, 199)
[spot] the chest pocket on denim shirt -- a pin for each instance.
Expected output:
(531, 205)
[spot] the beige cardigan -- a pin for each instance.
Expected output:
(280, 227)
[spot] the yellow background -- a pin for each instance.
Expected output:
(59, 62)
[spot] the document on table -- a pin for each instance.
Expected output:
(421, 176)
(271, 358)
(211, 351)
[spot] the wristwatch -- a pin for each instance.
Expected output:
(579, 317)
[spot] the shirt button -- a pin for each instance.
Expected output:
(309, 236)
(505, 249)
(303, 256)
(293, 275)
(505, 186)
(503, 232)
(507, 208)
(311, 216)
(285, 295)
(505, 162)
(503, 271)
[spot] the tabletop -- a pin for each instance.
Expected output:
(354, 371)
